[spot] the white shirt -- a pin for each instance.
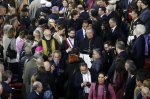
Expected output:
(86, 78)
(112, 29)
(83, 32)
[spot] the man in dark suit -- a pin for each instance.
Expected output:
(83, 80)
(37, 89)
(69, 43)
(115, 33)
(135, 20)
(120, 49)
(80, 35)
(90, 42)
(102, 14)
(138, 48)
(84, 15)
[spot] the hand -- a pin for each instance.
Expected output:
(83, 84)
(69, 49)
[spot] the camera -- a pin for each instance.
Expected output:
(88, 84)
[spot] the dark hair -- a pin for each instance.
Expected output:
(141, 75)
(85, 21)
(114, 20)
(145, 2)
(136, 11)
(23, 32)
(83, 64)
(105, 86)
(103, 9)
(73, 13)
(71, 29)
(94, 13)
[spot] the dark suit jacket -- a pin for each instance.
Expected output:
(87, 44)
(145, 18)
(137, 52)
(134, 23)
(123, 55)
(78, 80)
(34, 95)
(84, 15)
(129, 88)
(79, 35)
(116, 34)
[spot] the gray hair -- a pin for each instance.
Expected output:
(55, 9)
(139, 30)
(110, 8)
(131, 68)
(6, 28)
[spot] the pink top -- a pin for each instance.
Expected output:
(101, 92)
(19, 44)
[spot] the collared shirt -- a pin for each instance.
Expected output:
(86, 78)
(112, 29)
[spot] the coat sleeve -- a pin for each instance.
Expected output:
(112, 92)
(91, 92)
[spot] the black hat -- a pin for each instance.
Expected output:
(42, 21)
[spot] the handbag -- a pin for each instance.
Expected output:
(11, 53)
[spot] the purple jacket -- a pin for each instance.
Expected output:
(101, 93)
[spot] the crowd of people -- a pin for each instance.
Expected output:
(75, 49)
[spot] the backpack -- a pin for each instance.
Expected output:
(11, 53)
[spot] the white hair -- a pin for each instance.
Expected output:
(110, 8)
(139, 30)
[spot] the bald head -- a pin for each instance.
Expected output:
(37, 86)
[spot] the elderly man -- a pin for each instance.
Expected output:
(90, 42)
(48, 43)
(37, 89)
(138, 48)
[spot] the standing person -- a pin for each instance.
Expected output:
(7, 90)
(138, 48)
(11, 51)
(83, 80)
(145, 14)
(101, 89)
(70, 43)
(131, 81)
(97, 63)
(48, 43)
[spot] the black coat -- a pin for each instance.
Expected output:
(134, 23)
(145, 18)
(129, 88)
(79, 35)
(117, 34)
(78, 80)
(138, 52)
(123, 55)
(76, 24)
(34, 95)
(89, 45)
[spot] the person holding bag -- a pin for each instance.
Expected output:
(11, 51)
